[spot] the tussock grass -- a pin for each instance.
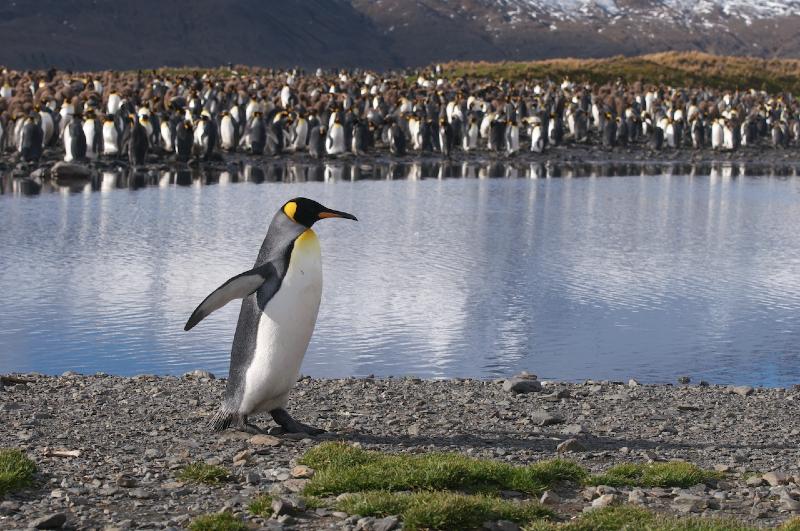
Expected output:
(684, 69)
(672, 474)
(630, 518)
(342, 468)
(261, 506)
(16, 471)
(441, 509)
(202, 473)
(217, 522)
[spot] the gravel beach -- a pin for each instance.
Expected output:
(108, 449)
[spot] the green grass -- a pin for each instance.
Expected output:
(202, 473)
(680, 69)
(441, 509)
(629, 518)
(261, 506)
(16, 471)
(342, 468)
(672, 474)
(217, 522)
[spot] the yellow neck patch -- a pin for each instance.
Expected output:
(289, 209)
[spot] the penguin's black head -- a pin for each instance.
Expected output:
(307, 211)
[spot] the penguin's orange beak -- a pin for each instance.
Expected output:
(336, 214)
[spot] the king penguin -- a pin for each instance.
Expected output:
(281, 297)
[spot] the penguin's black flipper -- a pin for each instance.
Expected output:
(237, 287)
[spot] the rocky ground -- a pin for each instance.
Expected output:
(109, 449)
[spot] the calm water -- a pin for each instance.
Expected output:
(649, 276)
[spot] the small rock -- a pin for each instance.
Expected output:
(789, 504)
(775, 478)
(637, 497)
(413, 430)
(743, 390)
(522, 385)
(755, 481)
(199, 373)
(684, 380)
(633, 383)
(501, 525)
(253, 478)
(385, 524)
(550, 498)
(69, 171)
(722, 468)
(689, 503)
(604, 500)
(9, 507)
(302, 472)
(264, 440)
(573, 429)
(140, 494)
(242, 457)
(127, 482)
(51, 521)
(570, 445)
(543, 418)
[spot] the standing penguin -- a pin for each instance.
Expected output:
(110, 137)
(30, 146)
(397, 140)
(316, 141)
(74, 140)
(446, 139)
(137, 142)
(184, 140)
(281, 301)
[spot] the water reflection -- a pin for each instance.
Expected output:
(295, 172)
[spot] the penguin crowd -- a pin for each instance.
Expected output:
(187, 116)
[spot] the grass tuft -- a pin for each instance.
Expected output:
(217, 522)
(672, 474)
(202, 473)
(261, 506)
(343, 468)
(441, 509)
(16, 471)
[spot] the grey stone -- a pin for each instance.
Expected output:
(570, 445)
(775, 478)
(50, 521)
(689, 503)
(522, 385)
(550, 498)
(684, 380)
(637, 497)
(605, 500)
(743, 390)
(200, 373)
(544, 418)
(385, 524)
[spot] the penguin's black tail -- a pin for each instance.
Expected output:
(222, 420)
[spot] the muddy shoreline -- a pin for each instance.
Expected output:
(133, 435)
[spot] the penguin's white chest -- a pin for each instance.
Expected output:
(285, 329)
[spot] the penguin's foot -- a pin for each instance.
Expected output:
(285, 420)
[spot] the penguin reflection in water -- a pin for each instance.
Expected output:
(281, 300)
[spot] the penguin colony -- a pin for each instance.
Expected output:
(159, 116)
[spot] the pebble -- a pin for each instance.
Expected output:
(550, 498)
(604, 501)
(775, 478)
(199, 373)
(302, 472)
(543, 418)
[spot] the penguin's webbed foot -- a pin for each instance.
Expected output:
(285, 420)
(247, 427)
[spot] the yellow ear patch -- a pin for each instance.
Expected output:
(289, 209)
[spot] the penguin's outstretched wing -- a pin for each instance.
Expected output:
(237, 287)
